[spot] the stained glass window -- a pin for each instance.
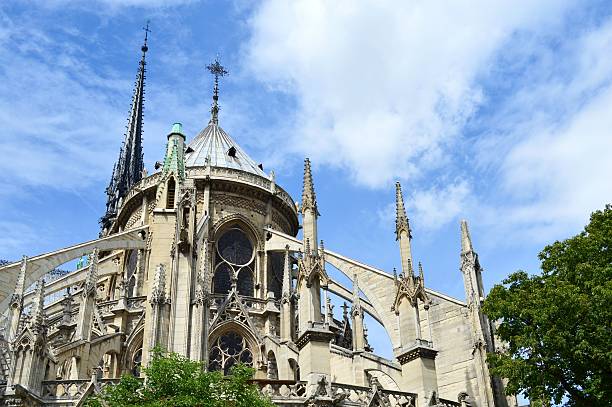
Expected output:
(137, 362)
(228, 350)
(245, 282)
(235, 247)
(222, 279)
(235, 262)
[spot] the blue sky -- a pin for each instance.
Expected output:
(494, 111)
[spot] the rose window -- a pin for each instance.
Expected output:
(227, 351)
(234, 261)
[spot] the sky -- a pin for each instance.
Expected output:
(498, 112)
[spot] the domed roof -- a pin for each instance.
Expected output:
(220, 149)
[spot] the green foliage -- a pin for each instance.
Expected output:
(173, 380)
(557, 324)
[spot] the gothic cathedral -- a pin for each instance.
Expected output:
(202, 258)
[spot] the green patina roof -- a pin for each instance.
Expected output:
(177, 128)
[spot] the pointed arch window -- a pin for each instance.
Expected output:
(137, 362)
(170, 192)
(245, 282)
(228, 350)
(234, 262)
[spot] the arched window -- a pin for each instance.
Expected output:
(222, 280)
(276, 265)
(245, 282)
(228, 350)
(234, 262)
(272, 367)
(137, 362)
(170, 193)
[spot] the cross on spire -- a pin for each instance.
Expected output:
(218, 71)
(146, 29)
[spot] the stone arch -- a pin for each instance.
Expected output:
(239, 218)
(272, 366)
(386, 381)
(133, 343)
(294, 368)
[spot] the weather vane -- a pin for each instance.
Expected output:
(218, 71)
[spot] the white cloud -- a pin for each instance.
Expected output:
(432, 208)
(383, 88)
(553, 153)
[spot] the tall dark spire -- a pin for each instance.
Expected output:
(218, 71)
(129, 168)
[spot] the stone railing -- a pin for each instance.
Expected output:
(283, 390)
(289, 392)
(250, 303)
(242, 176)
(359, 395)
(64, 389)
(70, 389)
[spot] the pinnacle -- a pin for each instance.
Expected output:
(466, 240)
(401, 220)
(309, 198)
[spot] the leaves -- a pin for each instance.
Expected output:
(557, 325)
(177, 381)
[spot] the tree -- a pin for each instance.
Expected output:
(556, 325)
(173, 380)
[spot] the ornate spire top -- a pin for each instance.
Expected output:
(218, 71)
(144, 47)
(466, 240)
(129, 167)
(401, 220)
(309, 198)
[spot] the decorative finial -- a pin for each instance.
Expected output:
(401, 220)
(466, 240)
(217, 70)
(146, 29)
(309, 198)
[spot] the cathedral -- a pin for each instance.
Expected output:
(202, 257)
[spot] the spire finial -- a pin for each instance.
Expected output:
(128, 169)
(146, 29)
(217, 70)
(401, 220)
(466, 240)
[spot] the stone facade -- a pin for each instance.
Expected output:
(202, 259)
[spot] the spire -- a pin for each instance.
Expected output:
(130, 165)
(401, 220)
(466, 240)
(37, 322)
(20, 285)
(309, 198)
(218, 71)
